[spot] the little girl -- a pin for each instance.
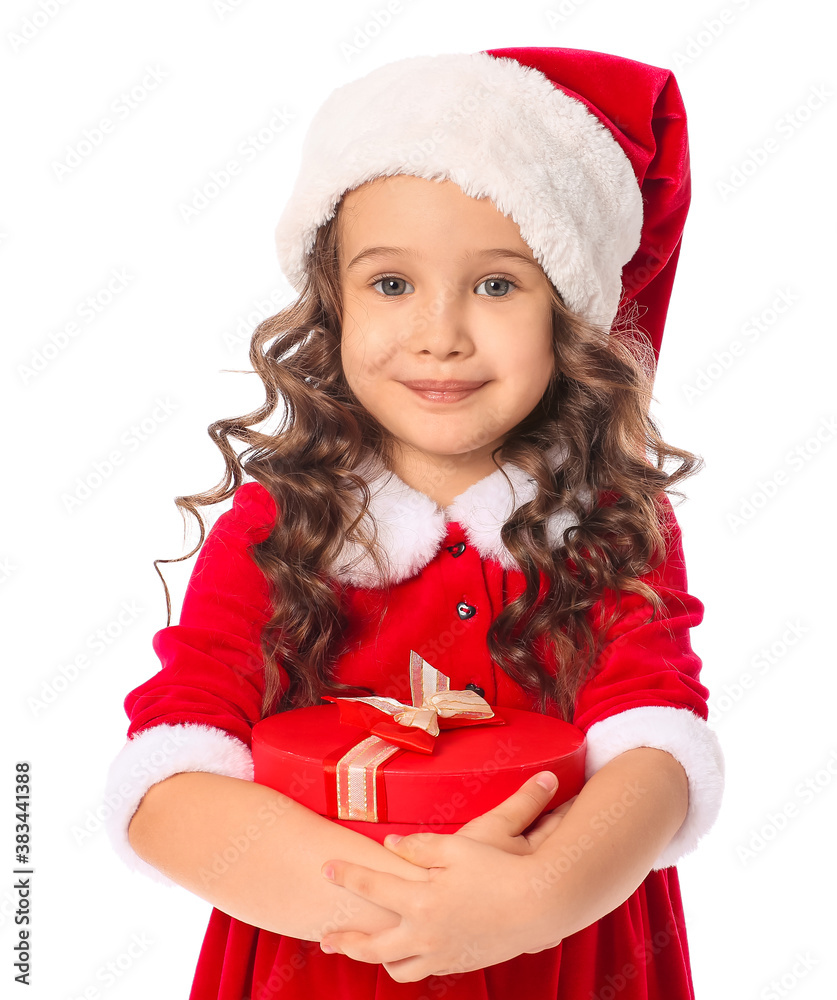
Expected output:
(465, 466)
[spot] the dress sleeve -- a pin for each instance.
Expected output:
(196, 713)
(644, 690)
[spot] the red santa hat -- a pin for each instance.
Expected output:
(586, 152)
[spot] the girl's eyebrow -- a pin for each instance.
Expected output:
(369, 253)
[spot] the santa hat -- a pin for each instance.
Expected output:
(586, 152)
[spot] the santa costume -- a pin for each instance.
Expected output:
(588, 154)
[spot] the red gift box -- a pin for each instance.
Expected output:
(449, 758)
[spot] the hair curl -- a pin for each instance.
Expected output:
(597, 404)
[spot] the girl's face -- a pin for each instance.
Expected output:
(440, 286)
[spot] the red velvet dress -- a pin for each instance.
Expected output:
(646, 679)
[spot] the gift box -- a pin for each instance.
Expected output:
(380, 766)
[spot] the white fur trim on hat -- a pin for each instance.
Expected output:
(684, 735)
(157, 753)
(497, 129)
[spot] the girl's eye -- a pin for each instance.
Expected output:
(392, 285)
(493, 283)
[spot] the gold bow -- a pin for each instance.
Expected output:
(445, 704)
(352, 778)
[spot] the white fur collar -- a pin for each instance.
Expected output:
(411, 527)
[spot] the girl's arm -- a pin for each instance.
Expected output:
(606, 844)
(256, 854)
(184, 801)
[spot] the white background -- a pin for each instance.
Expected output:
(176, 322)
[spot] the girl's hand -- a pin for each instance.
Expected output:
(478, 907)
(504, 825)
(440, 930)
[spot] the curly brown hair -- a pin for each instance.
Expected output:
(597, 403)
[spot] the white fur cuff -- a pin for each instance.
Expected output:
(157, 753)
(684, 735)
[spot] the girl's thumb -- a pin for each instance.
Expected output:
(547, 781)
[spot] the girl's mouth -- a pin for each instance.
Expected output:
(440, 393)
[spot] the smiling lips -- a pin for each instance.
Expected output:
(443, 391)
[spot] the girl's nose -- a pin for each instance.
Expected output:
(441, 323)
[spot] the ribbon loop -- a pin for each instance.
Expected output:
(464, 704)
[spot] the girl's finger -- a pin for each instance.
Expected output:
(544, 828)
(411, 970)
(424, 849)
(516, 812)
(558, 812)
(386, 946)
(548, 824)
(386, 890)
